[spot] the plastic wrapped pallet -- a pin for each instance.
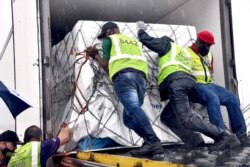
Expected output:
(89, 103)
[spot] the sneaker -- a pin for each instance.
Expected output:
(227, 141)
(244, 140)
(153, 151)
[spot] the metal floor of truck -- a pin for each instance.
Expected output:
(176, 155)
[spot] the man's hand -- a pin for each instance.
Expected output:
(91, 51)
(65, 135)
(141, 25)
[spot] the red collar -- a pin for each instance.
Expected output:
(195, 48)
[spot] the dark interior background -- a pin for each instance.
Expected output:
(65, 13)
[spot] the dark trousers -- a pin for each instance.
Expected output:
(179, 92)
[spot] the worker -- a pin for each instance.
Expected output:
(35, 152)
(212, 95)
(8, 144)
(123, 59)
(176, 84)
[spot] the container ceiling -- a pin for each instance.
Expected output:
(65, 13)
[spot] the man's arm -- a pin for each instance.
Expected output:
(103, 61)
(159, 45)
(50, 146)
(65, 135)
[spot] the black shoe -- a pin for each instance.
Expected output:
(244, 140)
(193, 141)
(153, 151)
(226, 141)
(189, 147)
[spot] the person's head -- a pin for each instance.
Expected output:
(8, 144)
(32, 133)
(108, 28)
(204, 41)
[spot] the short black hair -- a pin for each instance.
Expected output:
(32, 132)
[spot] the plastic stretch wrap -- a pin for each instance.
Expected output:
(92, 107)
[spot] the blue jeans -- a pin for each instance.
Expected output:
(130, 88)
(212, 96)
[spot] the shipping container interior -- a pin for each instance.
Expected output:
(210, 15)
(213, 15)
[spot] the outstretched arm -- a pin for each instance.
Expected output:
(159, 45)
(65, 135)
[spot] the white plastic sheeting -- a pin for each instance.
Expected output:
(93, 109)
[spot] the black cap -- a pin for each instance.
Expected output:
(9, 136)
(105, 27)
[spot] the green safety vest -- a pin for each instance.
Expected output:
(27, 155)
(201, 67)
(175, 60)
(126, 52)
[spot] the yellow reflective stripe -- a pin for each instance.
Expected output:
(173, 61)
(199, 73)
(173, 52)
(116, 45)
(34, 156)
(126, 56)
(119, 55)
(123, 161)
(140, 46)
(187, 53)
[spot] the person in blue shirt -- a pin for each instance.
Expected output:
(47, 147)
